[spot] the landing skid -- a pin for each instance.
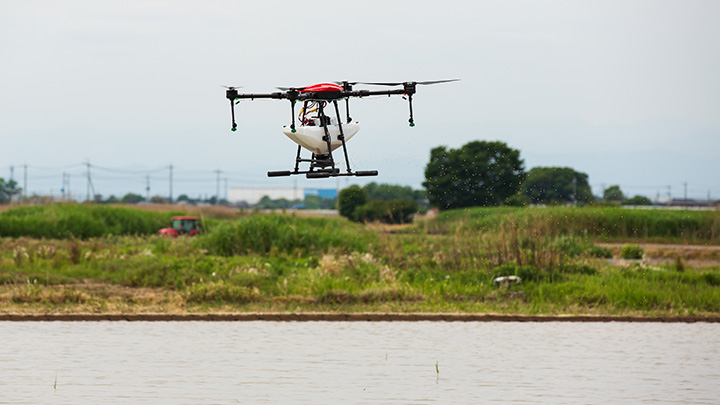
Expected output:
(322, 165)
(323, 173)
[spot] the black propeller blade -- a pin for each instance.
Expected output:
(411, 83)
(231, 87)
(291, 88)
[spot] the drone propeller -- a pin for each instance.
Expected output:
(291, 88)
(231, 87)
(345, 82)
(411, 83)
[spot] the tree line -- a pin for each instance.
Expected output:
(480, 173)
(483, 173)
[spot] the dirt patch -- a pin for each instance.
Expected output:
(696, 256)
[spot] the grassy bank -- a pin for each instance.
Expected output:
(79, 221)
(287, 263)
(606, 223)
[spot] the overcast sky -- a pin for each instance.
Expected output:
(625, 91)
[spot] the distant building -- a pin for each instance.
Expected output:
(253, 195)
(327, 193)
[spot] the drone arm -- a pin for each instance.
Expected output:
(367, 93)
(276, 96)
(408, 90)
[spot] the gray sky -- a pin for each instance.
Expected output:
(625, 91)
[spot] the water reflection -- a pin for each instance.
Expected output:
(378, 362)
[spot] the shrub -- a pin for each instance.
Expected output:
(389, 212)
(266, 234)
(599, 251)
(571, 246)
(632, 252)
(349, 199)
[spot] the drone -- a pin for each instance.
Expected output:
(319, 131)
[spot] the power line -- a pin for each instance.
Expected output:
(126, 171)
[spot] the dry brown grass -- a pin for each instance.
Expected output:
(220, 211)
(696, 256)
(90, 297)
(213, 211)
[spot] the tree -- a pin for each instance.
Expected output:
(548, 185)
(184, 198)
(111, 200)
(8, 189)
(614, 194)
(386, 211)
(132, 198)
(479, 173)
(157, 199)
(388, 192)
(638, 200)
(314, 202)
(349, 199)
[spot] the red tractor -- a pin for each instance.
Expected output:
(182, 225)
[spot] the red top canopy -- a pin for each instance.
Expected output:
(322, 87)
(186, 217)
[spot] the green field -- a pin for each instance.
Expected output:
(87, 259)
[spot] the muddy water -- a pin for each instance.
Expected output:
(354, 362)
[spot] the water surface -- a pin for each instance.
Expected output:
(356, 362)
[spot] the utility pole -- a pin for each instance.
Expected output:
(685, 201)
(25, 182)
(89, 182)
(147, 187)
(12, 188)
(87, 198)
(217, 191)
(63, 187)
(170, 200)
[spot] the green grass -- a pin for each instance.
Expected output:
(265, 234)
(79, 221)
(605, 222)
(286, 263)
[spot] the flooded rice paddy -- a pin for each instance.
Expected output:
(357, 362)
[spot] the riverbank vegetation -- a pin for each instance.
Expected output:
(114, 263)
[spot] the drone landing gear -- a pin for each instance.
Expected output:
(322, 165)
